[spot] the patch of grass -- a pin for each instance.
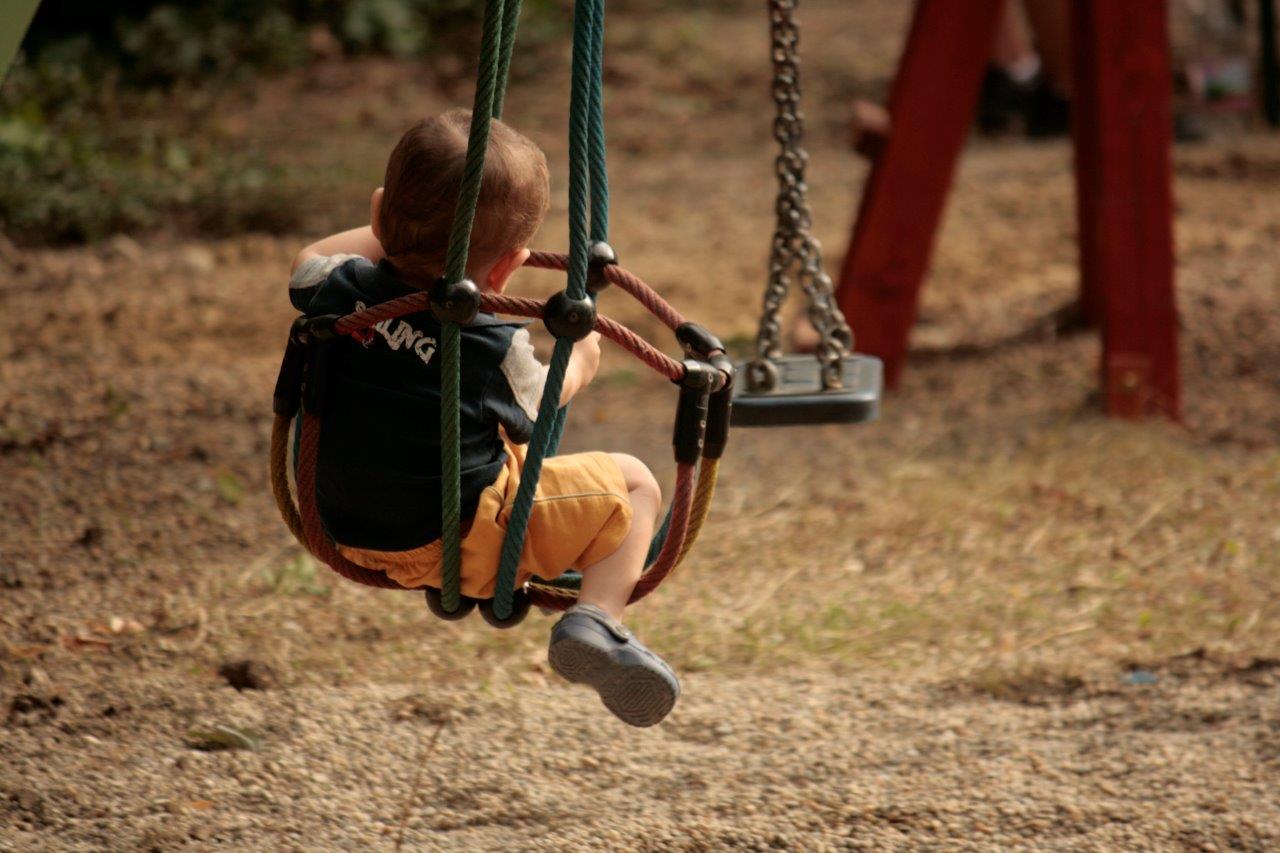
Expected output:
(623, 377)
(298, 576)
(1029, 685)
(229, 488)
(117, 405)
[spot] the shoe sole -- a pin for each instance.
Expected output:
(628, 685)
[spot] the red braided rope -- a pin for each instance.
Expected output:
(358, 322)
(520, 306)
(319, 543)
(627, 281)
(669, 556)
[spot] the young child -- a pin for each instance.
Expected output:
(378, 470)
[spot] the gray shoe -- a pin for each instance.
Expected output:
(588, 647)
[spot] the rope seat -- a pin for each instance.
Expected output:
(705, 375)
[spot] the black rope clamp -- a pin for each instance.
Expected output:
(698, 341)
(599, 256)
(300, 366)
(520, 605)
(435, 604)
(696, 387)
(566, 317)
(454, 301)
(719, 413)
(288, 394)
(309, 330)
(320, 340)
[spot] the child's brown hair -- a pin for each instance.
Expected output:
(420, 193)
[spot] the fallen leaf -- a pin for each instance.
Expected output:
(75, 643)
(27, 652)
(221, 737)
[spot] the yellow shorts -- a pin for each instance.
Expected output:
(581, 514)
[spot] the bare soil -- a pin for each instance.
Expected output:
(993, 619)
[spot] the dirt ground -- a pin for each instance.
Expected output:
(993, 619)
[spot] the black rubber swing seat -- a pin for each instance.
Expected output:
(798, 399)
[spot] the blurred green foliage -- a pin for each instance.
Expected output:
(80, 159)
(105, 119)
(152, 42)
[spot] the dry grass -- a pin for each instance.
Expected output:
(990, 515)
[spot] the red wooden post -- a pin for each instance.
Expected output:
(1122, 118)
(931, 108)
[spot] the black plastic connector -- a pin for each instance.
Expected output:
(288, 394)
(697, 341)
(599, 256)
(436, 606)
(719, 410)
(728, 371)
(691, 412)
(309, 357)
(315, 388)
(520, 604)
(569, 318)
(454, 301)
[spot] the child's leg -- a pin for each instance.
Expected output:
(590, 646)
(608, 583)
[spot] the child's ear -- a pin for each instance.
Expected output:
(504, 267)
(375, 209)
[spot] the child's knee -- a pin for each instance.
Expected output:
(639, 479)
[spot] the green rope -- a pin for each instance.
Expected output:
(455, 268)
(451, 337)
(598, 151)
(450, 469)
(588, 173)
(510, 21)
(550, 421)
(598, 166)
(579, 153)
(599, 188)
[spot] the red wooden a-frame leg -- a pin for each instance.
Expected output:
(1122, 120)
(931, 105)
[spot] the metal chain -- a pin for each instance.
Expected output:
(795, 255)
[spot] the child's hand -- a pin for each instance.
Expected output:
(588, 350)
(582, 368)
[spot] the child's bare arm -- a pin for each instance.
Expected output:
(583, 364)
(357, 241)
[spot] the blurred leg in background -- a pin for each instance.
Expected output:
(1028, 84)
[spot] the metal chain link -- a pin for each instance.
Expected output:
(795, 254)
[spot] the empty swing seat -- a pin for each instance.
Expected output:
(798, 398)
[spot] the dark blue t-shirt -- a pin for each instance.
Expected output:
(378, 472)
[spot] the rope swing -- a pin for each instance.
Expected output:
(704, 375)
